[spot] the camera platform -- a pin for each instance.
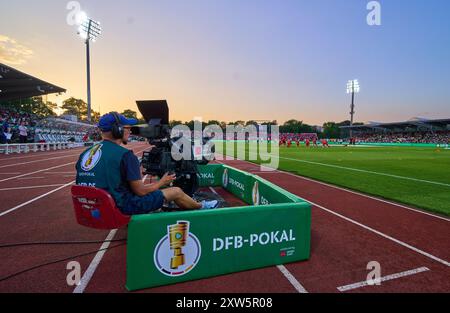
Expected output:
(262, 225)
(225, 199)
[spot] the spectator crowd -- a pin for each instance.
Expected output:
(16, 126)
(21, 127)
(438, 137)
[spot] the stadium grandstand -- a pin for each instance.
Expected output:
(17, 85)
(415, 130)
(19, 127)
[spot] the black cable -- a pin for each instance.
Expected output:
(41, 243)
(57, 261)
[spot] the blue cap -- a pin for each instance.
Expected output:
(107, 121)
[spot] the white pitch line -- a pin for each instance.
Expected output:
(27, 178)
(362, 171)
(95, 262)
(347, 190)
(40, 171)
(368, 172)
(30, 187)
(35, 199)
(294, 282)
(382, 279)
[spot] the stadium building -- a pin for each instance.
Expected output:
(415, 130)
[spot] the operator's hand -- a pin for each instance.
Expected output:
(167, 179)
(151, 147)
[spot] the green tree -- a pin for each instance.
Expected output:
(95, 117)
(130, 114)
(213, 122)
(223, 125)
(34, 105)
(77, 107)
(191, 125)
(251, 123)
(42, 108)
(331, 130)
(174, 123)
(295, 126)
(237, 123)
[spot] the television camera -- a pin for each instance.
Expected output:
(169, 154)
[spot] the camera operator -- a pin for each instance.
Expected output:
(111, 167)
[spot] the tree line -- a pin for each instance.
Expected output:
(78, 108)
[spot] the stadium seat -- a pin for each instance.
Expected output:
(95, 208)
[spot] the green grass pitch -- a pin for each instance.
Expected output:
(415, 176)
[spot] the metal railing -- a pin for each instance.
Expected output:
(35, 147)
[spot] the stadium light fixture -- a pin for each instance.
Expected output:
(89, 30)
(352, 87)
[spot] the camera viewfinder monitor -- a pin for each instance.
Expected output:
(155, 112)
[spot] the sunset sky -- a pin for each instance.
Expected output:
(242, 59)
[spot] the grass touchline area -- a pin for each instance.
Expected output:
(419, 177)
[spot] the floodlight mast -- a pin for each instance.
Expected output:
(352, 87)
(88, 30)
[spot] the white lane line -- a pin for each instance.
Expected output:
(36, 161)
(347, 190)
(367, 196)
(35, 199)
(294, 282)
(212, 189)
(292, 279)
(30, 187)
(97, 259)
(382, 279)
(17, 173)
(40, 171)
(30, 178)
(95, 262)
(40, 154)
(428, 255)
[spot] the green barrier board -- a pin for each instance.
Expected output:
(174, 247)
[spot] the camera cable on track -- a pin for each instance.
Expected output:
(59, 260)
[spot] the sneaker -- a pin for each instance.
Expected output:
(206, 205)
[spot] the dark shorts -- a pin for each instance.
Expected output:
(135, 205)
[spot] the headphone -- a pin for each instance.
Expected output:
(117, 129)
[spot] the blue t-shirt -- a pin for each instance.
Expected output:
(130, 170)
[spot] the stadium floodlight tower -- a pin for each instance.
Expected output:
(352, 87)
(88, 30)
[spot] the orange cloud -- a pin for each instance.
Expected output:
(13, 53)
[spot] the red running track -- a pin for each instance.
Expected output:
(348, 231)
